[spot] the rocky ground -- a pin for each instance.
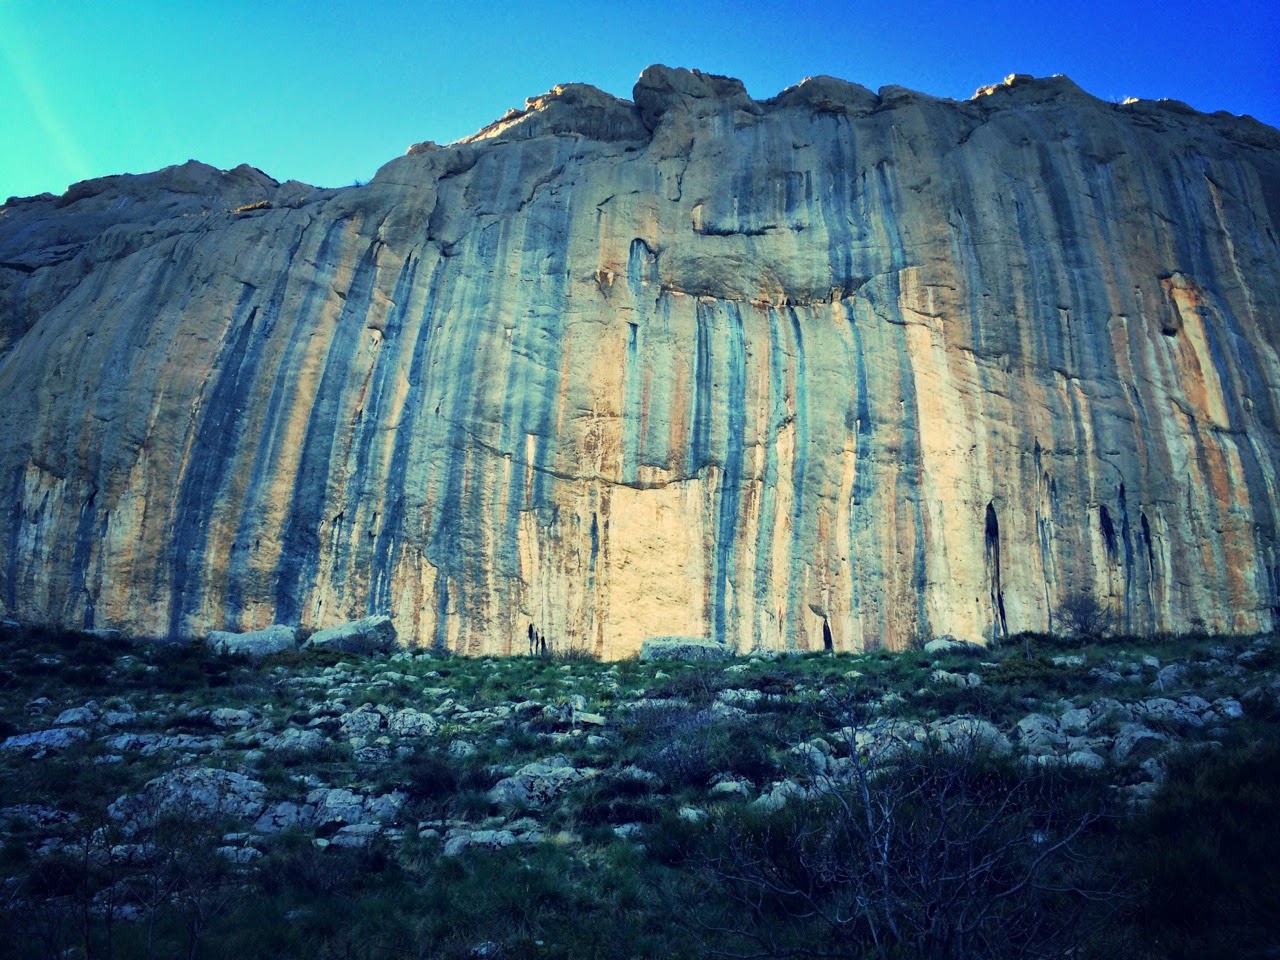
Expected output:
(158, 787)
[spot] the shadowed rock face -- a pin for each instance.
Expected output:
(835, 369)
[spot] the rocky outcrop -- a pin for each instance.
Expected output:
(683, 648)
(365, 636)
(256, 643)
(835, 369)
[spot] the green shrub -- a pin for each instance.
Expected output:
(302, 660)
(686, 745)
(615, 800)
(1203, 857)
(698, 683)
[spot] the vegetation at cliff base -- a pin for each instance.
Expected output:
(1040, 798)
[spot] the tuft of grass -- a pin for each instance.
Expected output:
(1202, 858)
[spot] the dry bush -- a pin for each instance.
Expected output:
(945, 851)
(1083, 616)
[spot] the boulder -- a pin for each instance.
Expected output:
(77, 716)
(298, 740)
(42, 741)
(1075, 721)
(1196, 703)
(355, 835)
(1136, 742)
(119, 717)
(882, 742)
(1039, 734)
(240, 855)
(384, 806)
(638, 775)
(226, 717)
(460, 840)
(366, 637)
(1105, 710)
(411, 723)
(945, 646)
(1085, 760)
(776, 797)
(683, 648)
(1161, 710)
(812, 757)
(968, 733)
(363, 722)
(1229, 708)
(336, 805)
(1170, 677)
(283, 816)
(203, 793)
(539, 783)
(276, 638)
(947, 678)
(745, 697)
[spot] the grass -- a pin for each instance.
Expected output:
(256, 205)
(1209, 830)
(1203, 857)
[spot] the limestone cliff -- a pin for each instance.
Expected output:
(836, 368)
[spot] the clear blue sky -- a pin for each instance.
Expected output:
(326, 92)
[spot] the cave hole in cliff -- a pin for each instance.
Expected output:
(993, 569)
(1146, 540)
(1273, 576)
(828, 644)
(1109, 539)
(537, 643)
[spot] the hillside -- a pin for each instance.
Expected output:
(1093, 801)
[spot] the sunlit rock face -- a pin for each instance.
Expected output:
(833, 369)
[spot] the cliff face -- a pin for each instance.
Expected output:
(835, 368)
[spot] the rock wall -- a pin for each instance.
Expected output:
(833, 369)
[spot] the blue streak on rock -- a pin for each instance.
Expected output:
(449, 530)
(388, 547)
(16, 523)
(701, 400)
(362, 478)
(799, 471)
(216, 437)
(724, 565)
(637, 275)
(90, 527)
(269, 445)
(768, 499)
(300, 546)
